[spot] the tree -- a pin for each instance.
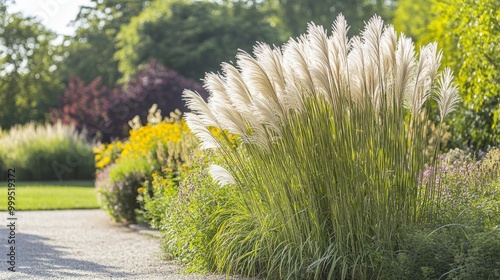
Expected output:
(297, 13)
(469, 32)
(28, 61)
(413, 17)
(89, 54)
(191, 37)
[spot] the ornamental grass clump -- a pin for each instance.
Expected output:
(46, 152)
(332, 134)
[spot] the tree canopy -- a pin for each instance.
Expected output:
(90, 53)
(297, 13)
(469, 33)
(28, 61)
(192, 37)
(413, 18)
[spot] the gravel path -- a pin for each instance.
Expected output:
(82, 244)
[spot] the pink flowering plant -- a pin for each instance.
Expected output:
(468, 187)
(463, 242)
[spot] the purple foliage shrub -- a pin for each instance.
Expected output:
(105, 113)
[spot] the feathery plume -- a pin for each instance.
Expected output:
(221, 175)
(237, 90)
(213, 83)
(198, 127)
(239, 94)
(319, 62)
(265, 116)
(435, 59)
(447, 93)
(372, 35)
(295, 61)
(195, 102)
(338, 46)
(227, 116)
(271, 62)
(257, 79)
(279, 73)
(374, 72)
(339, 37)
(405, 70)
(356, 63)
(420, 85)
(222, 108)
(388, 45)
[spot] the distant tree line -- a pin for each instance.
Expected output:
(118, 41)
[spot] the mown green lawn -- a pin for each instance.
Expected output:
(51, 195)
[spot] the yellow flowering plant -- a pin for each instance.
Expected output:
(145, 140)
(164, 145)
(105, 155)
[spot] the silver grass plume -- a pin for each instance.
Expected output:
(221, 175)
(446, 94)
(378, 68)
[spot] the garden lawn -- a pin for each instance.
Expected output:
(51, 195)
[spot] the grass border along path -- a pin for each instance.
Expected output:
(51, 195)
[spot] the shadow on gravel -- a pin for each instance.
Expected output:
(36, 258)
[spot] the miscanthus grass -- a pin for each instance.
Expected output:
(332, 133)
(46, 152)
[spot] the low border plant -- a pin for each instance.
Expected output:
(469, 188)
(182, 206)
(463, 241)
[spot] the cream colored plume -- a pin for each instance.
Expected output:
(378, 68)
(221, 175)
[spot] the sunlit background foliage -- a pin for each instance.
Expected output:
(114, 40)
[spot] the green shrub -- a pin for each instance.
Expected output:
(468, 188)
(186, 213)
(452, 252)
(463, 241)
(46, 152)
(424, 254)
(118, 186)
(481, 259)
(332, 150)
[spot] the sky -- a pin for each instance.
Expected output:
(54, 14)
